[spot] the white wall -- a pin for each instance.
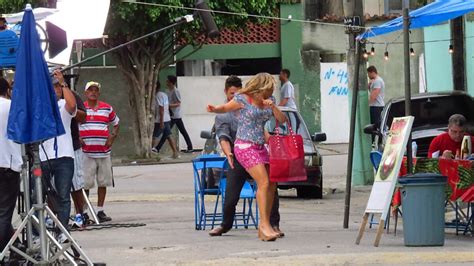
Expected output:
(196, 94)
(335, 102)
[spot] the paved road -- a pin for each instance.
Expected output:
(162, 197)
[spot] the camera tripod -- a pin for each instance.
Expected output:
(50, 250)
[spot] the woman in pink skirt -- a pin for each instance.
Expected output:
(255, 106)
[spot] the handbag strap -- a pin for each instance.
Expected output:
(277, 127)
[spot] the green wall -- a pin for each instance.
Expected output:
(438, 60)
(304, 66)
(469, 32)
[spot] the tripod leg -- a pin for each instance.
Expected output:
(89, 205)
(27, 200)
(15, 236)
(68, 236)
(56, 243)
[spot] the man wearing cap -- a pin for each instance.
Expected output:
(97, 144)
(57, 154)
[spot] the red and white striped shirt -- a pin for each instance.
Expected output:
(95, 131)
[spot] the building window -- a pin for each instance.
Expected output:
(395, 6)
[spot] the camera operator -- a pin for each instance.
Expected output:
(10, 167)
(57, 154)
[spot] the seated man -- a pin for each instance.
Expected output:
(448, 144)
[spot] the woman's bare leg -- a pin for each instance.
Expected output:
(265, 195)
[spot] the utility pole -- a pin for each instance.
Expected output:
(459, 65)
(359, 170)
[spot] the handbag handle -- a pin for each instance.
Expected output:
(277, 127)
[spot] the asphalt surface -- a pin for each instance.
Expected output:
(162, 197)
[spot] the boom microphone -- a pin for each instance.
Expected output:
(207, 19)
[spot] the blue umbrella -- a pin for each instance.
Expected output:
(34, 114)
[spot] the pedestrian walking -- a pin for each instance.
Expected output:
(255, 107)
(162, 123)
(174, 97)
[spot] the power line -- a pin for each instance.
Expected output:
(242, 14)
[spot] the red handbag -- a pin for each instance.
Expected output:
(286, 157)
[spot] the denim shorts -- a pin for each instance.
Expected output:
(166, 131)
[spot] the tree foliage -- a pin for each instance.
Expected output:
(141, 62)
(14, 6)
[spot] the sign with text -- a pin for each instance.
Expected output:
(335, 102)
(389, 167)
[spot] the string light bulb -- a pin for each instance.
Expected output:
(372, 51)
(386, 56)
(451, 49)
(366, 54)
(412, 52)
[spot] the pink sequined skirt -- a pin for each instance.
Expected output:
(250, 154)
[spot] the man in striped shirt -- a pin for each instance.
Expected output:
(97, 144)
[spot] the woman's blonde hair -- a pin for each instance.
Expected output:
(262, 82)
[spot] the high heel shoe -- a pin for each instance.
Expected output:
(266, 238)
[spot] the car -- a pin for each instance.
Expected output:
(431, 112)
(313, 186)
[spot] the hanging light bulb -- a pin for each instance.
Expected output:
(412, 52)
(451, 49)
(386, 56)
(372, 51)
(366, 54)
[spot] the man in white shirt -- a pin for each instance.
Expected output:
(162, 123)
(10, 167)
(174, 97)
(376, 97)
(57, 154)
(287, 91)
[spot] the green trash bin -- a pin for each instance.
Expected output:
(423, 205)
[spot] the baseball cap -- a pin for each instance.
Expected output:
(92, 84)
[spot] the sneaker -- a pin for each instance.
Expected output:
(78, 221)
(154, 150)
(49, 222)
(86, 220)
(175, 156)
(103, 217)
(62, 238)
(188, 151)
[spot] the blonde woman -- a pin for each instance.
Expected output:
(255, 106)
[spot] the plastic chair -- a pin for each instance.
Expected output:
(201, 165)
(375, 158)
(248, 195)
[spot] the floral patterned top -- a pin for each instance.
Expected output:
(252, 120)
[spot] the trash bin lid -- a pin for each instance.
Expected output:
(422, 178)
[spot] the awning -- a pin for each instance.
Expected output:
(432, 14)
